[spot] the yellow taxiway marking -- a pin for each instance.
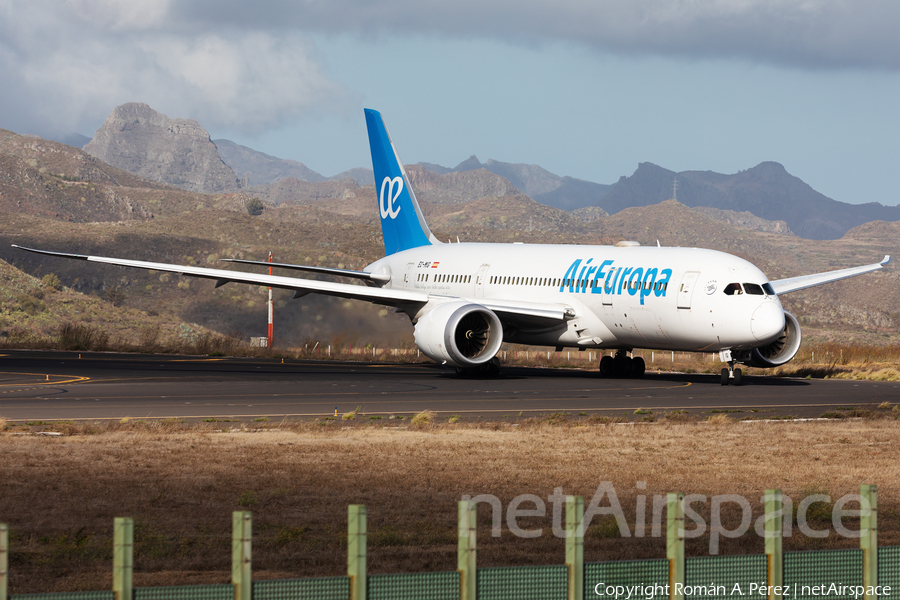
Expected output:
(72, 379)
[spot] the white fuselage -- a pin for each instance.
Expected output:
(621, 297)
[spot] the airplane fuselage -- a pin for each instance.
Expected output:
(622, 297)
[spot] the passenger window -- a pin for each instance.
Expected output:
(733, 289)
(754, 289)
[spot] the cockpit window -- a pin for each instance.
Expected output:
(733, 289)
(768, 288)
(754, 289)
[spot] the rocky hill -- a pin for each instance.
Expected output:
(458, 187)
(745, 219)
(178, 152)
(260, 168)
(566, 193)
(43, 178)
(291, 189)
(33, 309)
(767, 191)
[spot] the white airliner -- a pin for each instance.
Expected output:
(466, 299)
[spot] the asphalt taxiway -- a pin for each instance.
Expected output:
(36, 385)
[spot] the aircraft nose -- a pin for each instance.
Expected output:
(767, 322)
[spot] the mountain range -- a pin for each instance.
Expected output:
(179, 152)
(57, 197)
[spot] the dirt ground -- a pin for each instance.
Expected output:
(181, 482)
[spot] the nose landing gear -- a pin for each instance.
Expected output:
(731, 375)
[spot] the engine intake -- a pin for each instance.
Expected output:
(781, 350)
(461, 334)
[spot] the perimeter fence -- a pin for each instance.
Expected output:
(867, 572)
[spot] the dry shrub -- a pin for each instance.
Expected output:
(426, 418)
(721, 420)
(79, 336)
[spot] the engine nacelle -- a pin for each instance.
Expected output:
(781, 350)
(460, 334)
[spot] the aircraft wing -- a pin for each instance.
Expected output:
(301, 287)
(520, 313)
(324, 270)
(792, 284)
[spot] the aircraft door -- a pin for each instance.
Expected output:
(480, 280)
(408, 277)
(686, 291)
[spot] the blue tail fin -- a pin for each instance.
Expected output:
(402, 223)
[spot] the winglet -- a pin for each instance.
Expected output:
(885, 260)
(50, 253)
(402, 223)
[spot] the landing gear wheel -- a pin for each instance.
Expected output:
(638, 367)
(737, 376)
(607, 366)
(485, 370)
(725, 376)
(492, 367)
(623, 365)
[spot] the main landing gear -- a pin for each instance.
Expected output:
(731, 375)
(622, 366)
(485, 370)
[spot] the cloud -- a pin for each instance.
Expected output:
(67, 66)
(249, 67)
(822, 34)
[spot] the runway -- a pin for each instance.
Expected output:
(36, 385)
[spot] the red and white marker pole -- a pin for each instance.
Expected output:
(270, 307)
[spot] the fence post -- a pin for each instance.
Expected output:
(575, 546)
(241, 537)
(774, 536)
(868, 540)
(4, 561)
(675, 544)
(466, 553)
(123, 557)
(356, 550)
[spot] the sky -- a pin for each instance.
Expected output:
(585, 88)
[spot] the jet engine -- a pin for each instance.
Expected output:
(460, 334)
(781, 350)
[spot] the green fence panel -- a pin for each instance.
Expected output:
(314, 588)
(626, 572)
(889, 567)
(719, 574)
(222, 591)
(103, 595)
(548, 582)
(821, 567)
(413, 586)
